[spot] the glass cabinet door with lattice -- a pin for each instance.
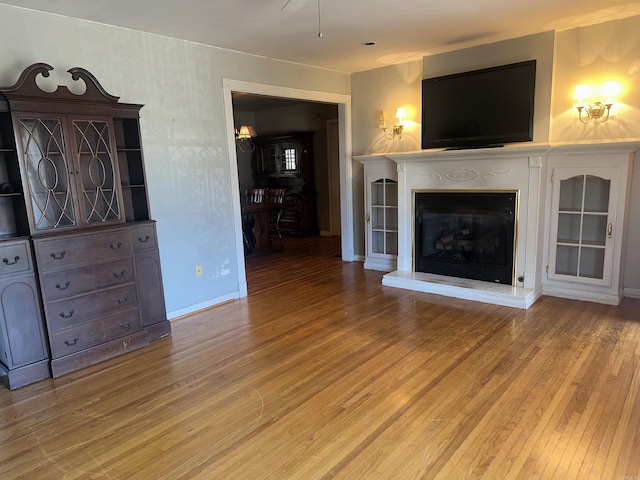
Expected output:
(96, 175)
(381, 222)
(70, 184)
(48, 169)
(582, 226)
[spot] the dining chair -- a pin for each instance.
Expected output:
(275, 197)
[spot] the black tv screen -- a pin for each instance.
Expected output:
(481, 108)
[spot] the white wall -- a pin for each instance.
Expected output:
(183, 128)
(593, 55)
(632, 263)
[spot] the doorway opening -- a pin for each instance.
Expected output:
(273, 110)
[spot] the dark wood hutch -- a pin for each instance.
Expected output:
(286, 161)
(80, 277)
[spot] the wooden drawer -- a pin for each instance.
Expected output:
(59, 284)
(82, 309)
(144, 237)
(73, 339)
(72, 250)
(15, 257)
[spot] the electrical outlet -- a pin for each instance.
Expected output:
(198, 270)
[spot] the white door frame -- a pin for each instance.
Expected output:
(333, 223)
(346, 169)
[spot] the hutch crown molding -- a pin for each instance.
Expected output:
(78, 248)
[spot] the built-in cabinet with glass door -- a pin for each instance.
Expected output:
(587, 226)
(381, 215)
(77, 244)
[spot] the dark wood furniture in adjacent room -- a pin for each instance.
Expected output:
(286, 161)
(74, 209)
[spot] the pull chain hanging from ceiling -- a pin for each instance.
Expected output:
(319, 15)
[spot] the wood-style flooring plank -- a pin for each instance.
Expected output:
(324, 373)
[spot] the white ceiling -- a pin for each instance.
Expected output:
(404, 30)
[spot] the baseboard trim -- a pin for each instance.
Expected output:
(632, 292)
(582, 295)
(182, 312)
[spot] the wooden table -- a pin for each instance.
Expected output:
(261, 213)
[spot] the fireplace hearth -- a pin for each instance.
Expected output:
(466, 234)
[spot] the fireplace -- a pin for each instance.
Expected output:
(466, 234)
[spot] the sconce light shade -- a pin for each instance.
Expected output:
(580, 93)
(598, 110)
(391, 132)
(243, 138)
(610, 89)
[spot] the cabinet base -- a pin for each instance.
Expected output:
(159, 330)
(381, 264)
(76, 361)
(19, 377)
(607, 298)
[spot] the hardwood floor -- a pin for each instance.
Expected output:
(324, 373)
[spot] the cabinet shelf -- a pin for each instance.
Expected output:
(569, 243)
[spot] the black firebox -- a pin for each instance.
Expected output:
(466, 234)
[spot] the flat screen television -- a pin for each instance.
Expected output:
(481, 108)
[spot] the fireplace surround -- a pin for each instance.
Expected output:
(528, 170)
(517, 168)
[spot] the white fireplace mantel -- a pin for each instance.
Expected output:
(518, 167)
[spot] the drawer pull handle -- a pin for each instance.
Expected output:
(118, 275)
(66, 285)
(70, 343)
(7, 262)
(62, 314)
(58, 257)
(122, 300)
(116, 246)
(144, 240)
(125, 326)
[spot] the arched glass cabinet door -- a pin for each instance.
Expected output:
(48, 168)
(97, 175)
(582, 228)
(382, 218)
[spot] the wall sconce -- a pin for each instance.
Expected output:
(243, 138)
(598, 110)
(396, 130)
